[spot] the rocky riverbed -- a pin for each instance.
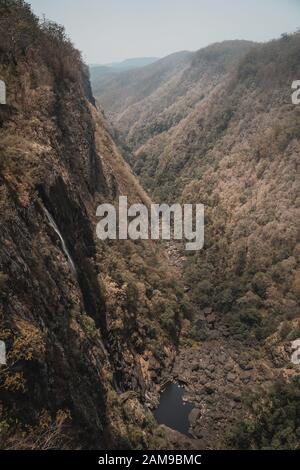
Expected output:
(217, 372)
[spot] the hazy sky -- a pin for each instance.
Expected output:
(113, 30)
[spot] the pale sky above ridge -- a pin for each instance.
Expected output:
(113, 30)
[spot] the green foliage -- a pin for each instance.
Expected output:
(89, 326)
(273, 420)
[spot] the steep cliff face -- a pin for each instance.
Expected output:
(76, 331)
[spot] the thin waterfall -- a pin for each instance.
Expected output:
(70, 260)
(63, 243)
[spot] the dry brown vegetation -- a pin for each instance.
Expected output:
(221, 130)
(76, 342)
(236, 150)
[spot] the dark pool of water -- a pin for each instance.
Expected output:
(172, 410)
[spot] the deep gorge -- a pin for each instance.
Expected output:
(96, 330)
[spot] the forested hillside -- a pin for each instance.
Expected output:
(222, 131)
(236, 149)
(150, 101)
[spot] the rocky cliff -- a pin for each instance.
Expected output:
(85, 323)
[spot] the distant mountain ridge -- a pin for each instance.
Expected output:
(147, 102)
(118, 67)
